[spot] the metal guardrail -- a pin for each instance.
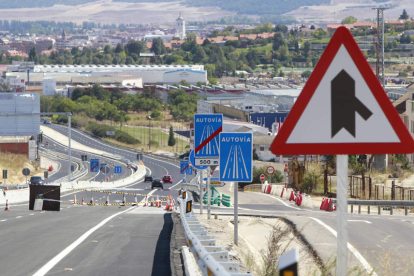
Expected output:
(377, 203)
(211, 259)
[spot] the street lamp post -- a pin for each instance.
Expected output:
(149, 132)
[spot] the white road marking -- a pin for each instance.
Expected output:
(48, 266)
(3, 220)
(19, 217)
(360, 221)
(358, 255)
(284, 203)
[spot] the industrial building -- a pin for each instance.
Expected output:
(150, 74)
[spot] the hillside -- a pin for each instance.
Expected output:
(252, 7)
(7, 4)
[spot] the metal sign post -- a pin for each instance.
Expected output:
(342, 216)
(69, 148)
(201, 191)
(236, 213)
(208, 193)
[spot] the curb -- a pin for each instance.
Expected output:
(189, 262)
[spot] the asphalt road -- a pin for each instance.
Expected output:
(92, 240)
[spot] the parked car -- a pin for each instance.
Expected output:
(148, 177)
(167, 178)
(47, 122)
(36, 180)
(157, 183)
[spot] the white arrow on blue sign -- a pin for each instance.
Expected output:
(236, 157)
(118, 169)
(94, 165)
(207, 128)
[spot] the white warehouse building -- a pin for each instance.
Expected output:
(150, 74)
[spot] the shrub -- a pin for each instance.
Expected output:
(155, 143)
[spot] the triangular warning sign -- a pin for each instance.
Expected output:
(343, 109)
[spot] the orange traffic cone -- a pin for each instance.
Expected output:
(135, 200)
(146, 202)
(167, 207)
(91, 202)
(123, 200)
(7, 206)
(7, 187)
(74, 199)
(157, 203)
(83, 201)
(107, 200)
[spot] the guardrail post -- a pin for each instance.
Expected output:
(406, 211)
(359, 209)
(352, 209)
(369, 209)
(379, 210)
(391, 210)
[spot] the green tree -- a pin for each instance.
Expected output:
(278, 41)
(349, 20)
(33, 54)
(404, 15)
(158, 46)
(306, 74)
(171, 139)
(306, 49)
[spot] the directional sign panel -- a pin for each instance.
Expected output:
(236, 157)
(343, 109)
(94, 165)
(118, 169)
(207, 129)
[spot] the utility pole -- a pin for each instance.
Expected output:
(380, 45)
(380, 61)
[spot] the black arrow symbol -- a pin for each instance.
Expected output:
(344, 104)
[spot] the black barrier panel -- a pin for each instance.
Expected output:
(48, 192)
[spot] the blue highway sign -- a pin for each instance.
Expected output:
(236, 157)
(207, 128)
(183, 167)
(94, 165)
(118, 169)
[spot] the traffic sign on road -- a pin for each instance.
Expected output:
(343, 109)
(207, 128)
(105, 169)
(118, 169)
(94, 165)
(236, 157)
(185, 168)
(262, 177)
(270, 170)
(26, 171)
